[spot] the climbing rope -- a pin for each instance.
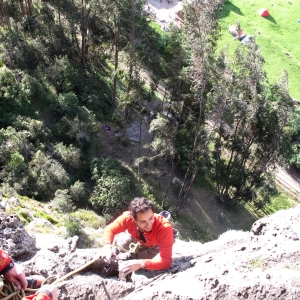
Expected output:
(133, 248)
(9, 292)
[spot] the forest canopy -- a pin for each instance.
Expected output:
(67, 66)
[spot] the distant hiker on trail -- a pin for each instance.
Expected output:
(152, 232)
(15, 274)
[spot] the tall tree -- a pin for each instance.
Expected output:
(201, 28)
(251, 116)
(4, 20)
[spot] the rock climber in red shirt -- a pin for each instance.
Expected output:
(153, 232)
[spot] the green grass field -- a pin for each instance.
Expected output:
(277, 35)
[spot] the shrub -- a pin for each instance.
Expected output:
(16, 162)
(68, 103)
(104, 166)
(32, 89)
(77, 191)
(46, 175)
(112, 186)
(110, 193)
(12, 142)
(73, 226)
(74, 130)
(35, 128)
(63, 75)
(47, 217)
(24, 217)
(62, 201)
(70, 155)
(90, 219)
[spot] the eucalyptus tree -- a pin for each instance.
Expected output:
(164, 128)
(163, 144)
(251, 118)
(174, 63)
(18, 10)
(201, 29)
(295, 143)
(116, 14)
(4, 16)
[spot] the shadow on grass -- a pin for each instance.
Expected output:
(230, 7)
(271, 19)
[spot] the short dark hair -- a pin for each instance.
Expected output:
(140, 204)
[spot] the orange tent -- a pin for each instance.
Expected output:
(263, 12)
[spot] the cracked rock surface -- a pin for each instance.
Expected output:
(261, 264)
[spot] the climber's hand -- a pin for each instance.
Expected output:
(130, 266)
(107, 252)
(16, 275)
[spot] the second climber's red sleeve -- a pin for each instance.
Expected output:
(38, 296)
(4, 259)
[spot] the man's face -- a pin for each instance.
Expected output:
(145, 220)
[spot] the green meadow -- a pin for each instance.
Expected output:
(278, 35)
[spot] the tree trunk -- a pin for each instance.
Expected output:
(125, 120)
(190, 165)
(29, 10)
(114, 96)
(129, 87)
(140, 136)
(187, 189)
(22, 8)
(5, 17)
(82, 34)
(169, 182)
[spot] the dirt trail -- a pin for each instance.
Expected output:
(289, 180)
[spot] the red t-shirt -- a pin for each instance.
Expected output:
(161, 235)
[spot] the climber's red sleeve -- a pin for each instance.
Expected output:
(163, 259)
(37, 296)
(4, 260)
(122, 223)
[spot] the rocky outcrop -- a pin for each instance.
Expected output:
(261, 264)
(14, 238)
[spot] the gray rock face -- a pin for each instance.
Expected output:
(261, 264)
(136, 132)
(14, 238)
